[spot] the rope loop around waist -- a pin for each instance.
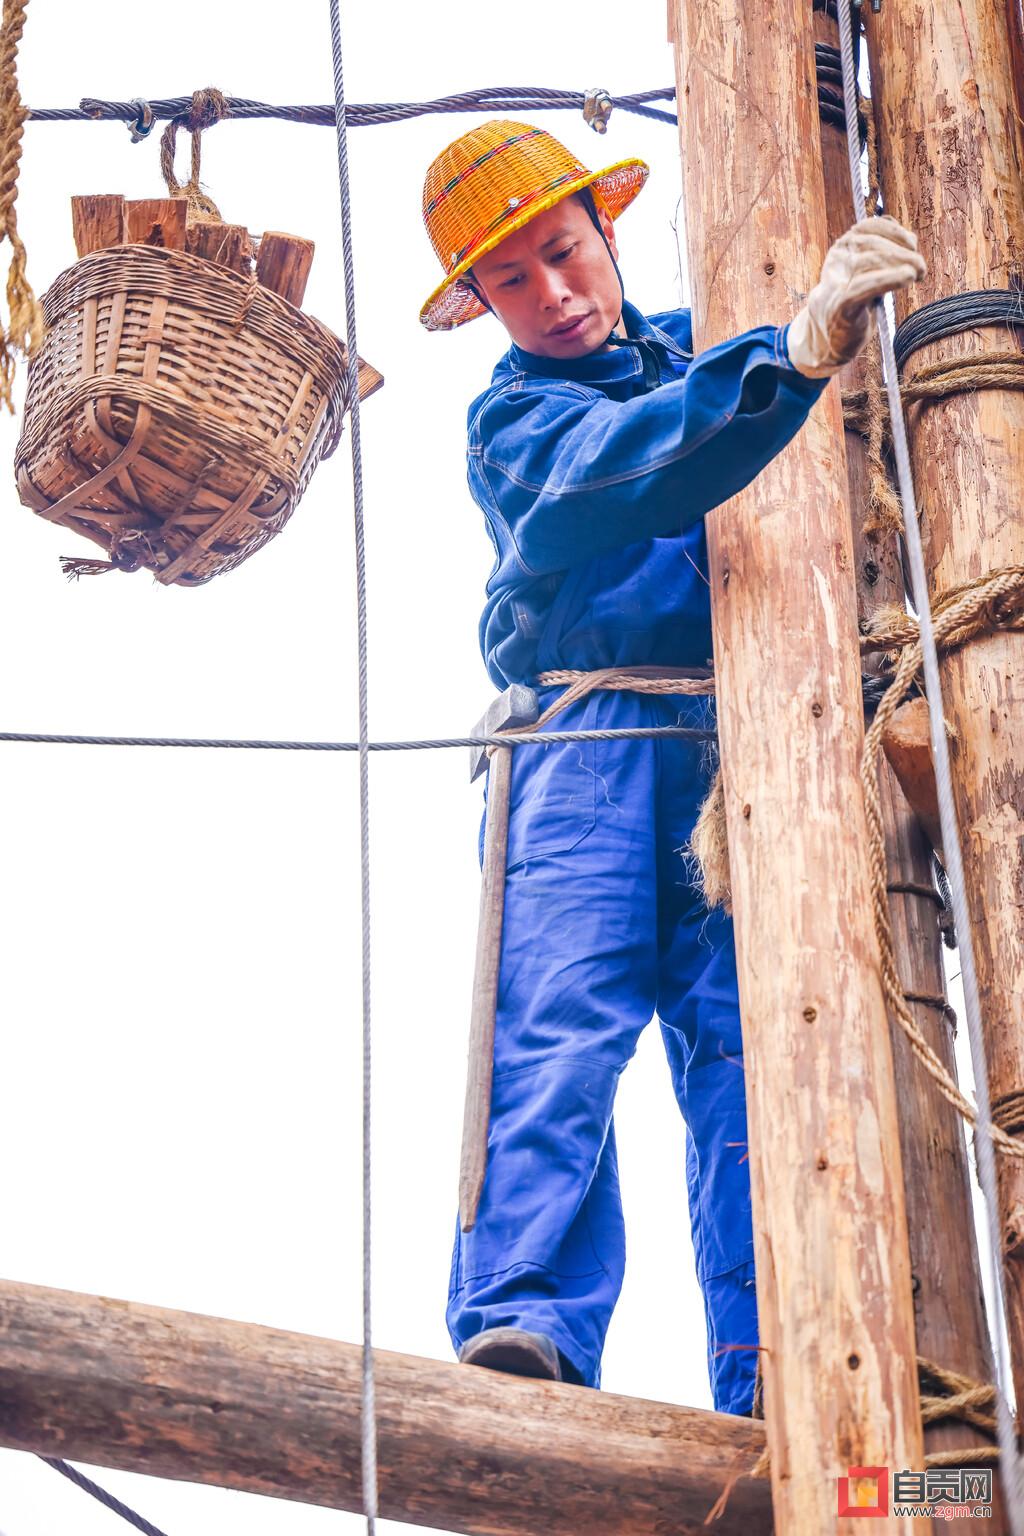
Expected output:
(696, 681)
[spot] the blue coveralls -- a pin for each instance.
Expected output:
(594, 476)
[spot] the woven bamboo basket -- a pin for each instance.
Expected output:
(176, 411)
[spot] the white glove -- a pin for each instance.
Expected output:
(874, 257)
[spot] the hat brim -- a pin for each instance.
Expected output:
(453, 303)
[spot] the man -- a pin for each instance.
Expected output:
(594, 454)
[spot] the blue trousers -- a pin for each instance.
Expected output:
(603, 930)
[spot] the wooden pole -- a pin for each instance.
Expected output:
(949, 1311)
(952, 171)
(833, 1268)
(476, 1118)
(114, 1384)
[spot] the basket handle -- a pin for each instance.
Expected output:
(208, 107)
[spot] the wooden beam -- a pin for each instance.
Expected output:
(945, 101)
(907, 744)
(115, 1384)
(833, 1267)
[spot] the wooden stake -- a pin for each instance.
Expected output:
(176, 1395)
(157, 221)
(944, 96)
(229, 245)
(833, 1269)
(98, 222)
(283, 263)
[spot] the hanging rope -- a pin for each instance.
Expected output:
(208, 107)
(25, 319)
(1011, 1469)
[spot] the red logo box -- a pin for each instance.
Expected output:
(876, 1511)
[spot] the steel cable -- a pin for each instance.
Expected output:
(507, 98)
(429, 744)
(369, 1413)
(101, 1495)
(1011, 1470)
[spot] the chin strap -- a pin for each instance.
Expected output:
(613, 338)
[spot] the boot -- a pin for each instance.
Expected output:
(514, 1351)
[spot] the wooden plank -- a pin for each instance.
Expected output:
(229, 245)
(833, 1267)
(944, 93)
(907, 746)
(283, 263)
(98, 222)
(177, 1395)
(370, 380)
(157, 221)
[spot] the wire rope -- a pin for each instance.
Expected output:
(101, 1495)
(227, 743)
(501, 98)
(369, 1413)
(1011, 1470)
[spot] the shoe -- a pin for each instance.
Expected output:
(514, 1351)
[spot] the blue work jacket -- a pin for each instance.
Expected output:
(594, 475)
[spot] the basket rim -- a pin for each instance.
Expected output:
(168, 259)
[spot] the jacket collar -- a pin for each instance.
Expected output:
(617, 364)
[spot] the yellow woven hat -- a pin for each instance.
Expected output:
(491, 182)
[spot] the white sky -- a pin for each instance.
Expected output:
(180, 930)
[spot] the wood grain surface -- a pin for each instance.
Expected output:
(834, 1281)
(115, 1384)
(954, 173)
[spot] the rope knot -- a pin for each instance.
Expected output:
(208, 107)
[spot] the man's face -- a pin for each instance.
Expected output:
(552, 284)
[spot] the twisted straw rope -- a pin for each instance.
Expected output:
(863, 413)
(993, 602)
(208, 107)
(25, 324)
(956, 1397)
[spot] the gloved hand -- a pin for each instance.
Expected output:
(874, 257)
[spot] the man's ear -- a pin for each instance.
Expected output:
(608, 229)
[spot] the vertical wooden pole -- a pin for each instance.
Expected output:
(952, 171)
(1015, 27)
(949, 1312)
(833, 1268)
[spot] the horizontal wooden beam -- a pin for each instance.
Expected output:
(177, 1395)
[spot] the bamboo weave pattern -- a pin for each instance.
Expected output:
(175, 411)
